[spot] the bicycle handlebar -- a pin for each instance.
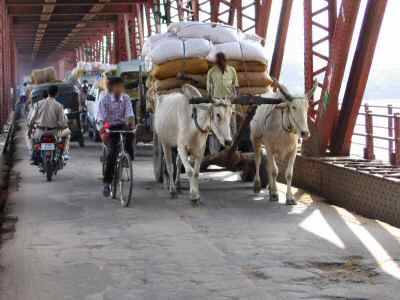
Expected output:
(121, 131)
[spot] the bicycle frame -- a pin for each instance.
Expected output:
(122, 138)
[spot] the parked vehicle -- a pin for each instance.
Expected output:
(92, 107)
(49, 155)
(134, 73)
(68, 96)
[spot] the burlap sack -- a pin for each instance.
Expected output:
(172, 83)
(247, 66)
(172, 68)
(254, 79)
(253, 90)
(40, 76)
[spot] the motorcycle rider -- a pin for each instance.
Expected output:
(48, 117)
(115, 109)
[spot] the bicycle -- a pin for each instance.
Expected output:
(123, 171)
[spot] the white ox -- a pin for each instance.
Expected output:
(278, 128)
(180, 124)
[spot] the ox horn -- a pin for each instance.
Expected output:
(283, 89)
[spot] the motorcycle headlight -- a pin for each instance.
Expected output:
(67, 111)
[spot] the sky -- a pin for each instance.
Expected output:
(384, 79)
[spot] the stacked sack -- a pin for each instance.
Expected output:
(249, 59)
(171, 56)
(83, 68)
(40, 76)
(190, 47)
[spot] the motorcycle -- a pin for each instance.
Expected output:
(50, 155)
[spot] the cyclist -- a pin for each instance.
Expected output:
(115, 109)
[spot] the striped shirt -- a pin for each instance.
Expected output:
(115, 111)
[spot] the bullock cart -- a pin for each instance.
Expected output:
(237, 157)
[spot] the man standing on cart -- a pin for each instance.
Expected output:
(115, 110)
(222, 82)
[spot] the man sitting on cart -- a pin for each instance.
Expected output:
(115, 111)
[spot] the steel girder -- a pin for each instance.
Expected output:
(280, 41)
(319, 15)
(327, 113)
(358, 77)
(7, 64)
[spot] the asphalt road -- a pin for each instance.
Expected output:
(71, 243)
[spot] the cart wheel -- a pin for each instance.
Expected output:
(249, 171)
(158, 160)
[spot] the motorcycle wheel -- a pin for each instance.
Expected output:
(49, 171)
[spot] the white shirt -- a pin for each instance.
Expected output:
(49, 113)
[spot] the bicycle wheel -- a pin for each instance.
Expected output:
(125, 180)
(114, 185)
(104, 160)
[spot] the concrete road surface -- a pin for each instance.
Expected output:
(71, 243)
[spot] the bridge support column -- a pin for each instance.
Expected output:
(341, 141)
(321, 130)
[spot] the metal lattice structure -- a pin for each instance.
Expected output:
(36, 33)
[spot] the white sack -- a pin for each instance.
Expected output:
(245, 36)
(171, 49)
(246, 50)
(152, 41)
(216, 33)
(176, 27)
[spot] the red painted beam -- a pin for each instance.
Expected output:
(263, 11)
(2, 60)
(328, 108)
(281, 35)
(358, 77)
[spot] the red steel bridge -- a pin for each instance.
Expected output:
(35, 33)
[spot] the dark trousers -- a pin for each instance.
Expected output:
(113, 150)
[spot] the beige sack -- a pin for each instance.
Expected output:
(254, 79)
(172, 68)
(40, 76)
(247, 66)
(173, 83)
(253, 90)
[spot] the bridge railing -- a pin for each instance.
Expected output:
(377, 132)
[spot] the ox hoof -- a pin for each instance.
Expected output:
(195, 200)
(290, 201)
(190, 173)
(273, 197)
(257, 187)
(173, 194)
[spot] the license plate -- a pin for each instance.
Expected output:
(47, 147)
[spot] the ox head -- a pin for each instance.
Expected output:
(220, 111)
(297, 108)
(221, 120)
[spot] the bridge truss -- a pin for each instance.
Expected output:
(62, 32)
